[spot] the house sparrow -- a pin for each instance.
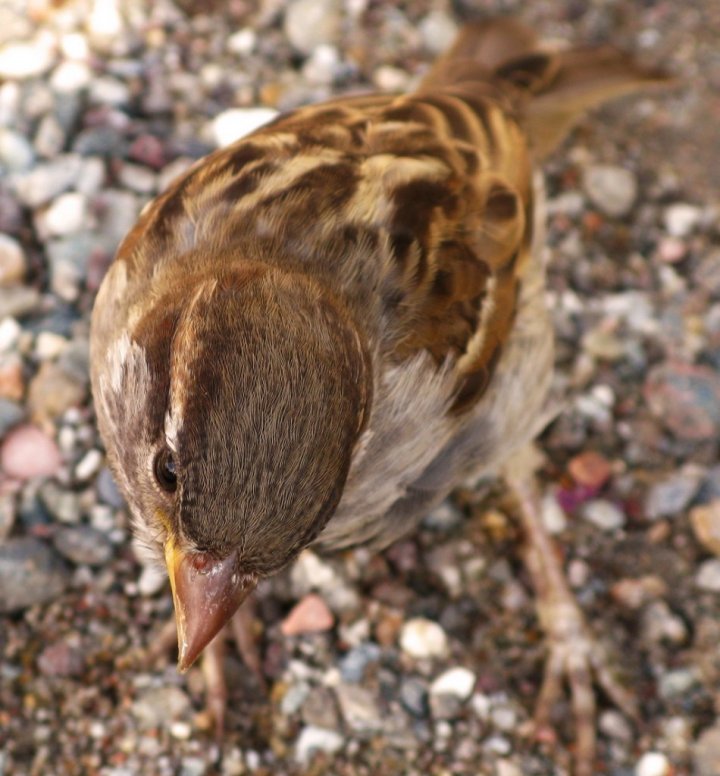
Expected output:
(317, 332)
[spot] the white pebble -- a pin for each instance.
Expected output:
(603, 515)
(681, 218)
(12, 260)
(231, 125)
(25, 60)
(49, 345)
(553, 515)
(653, 764)
(708, 576)
(10, 331)
(438, 31)
(180, 730)
(316, 739)
(612, 189)
(70, 76)
(66, 215)
(242, 42)
(458, 682)
(423, 638)
(151, 581)
(89, 465)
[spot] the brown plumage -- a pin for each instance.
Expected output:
(319, 331)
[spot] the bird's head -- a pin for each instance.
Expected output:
(230, 409)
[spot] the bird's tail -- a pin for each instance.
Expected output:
(551, 89)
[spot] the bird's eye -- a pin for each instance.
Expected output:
(165, 472)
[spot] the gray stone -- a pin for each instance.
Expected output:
(359, 708)
(611, 189)
(603, 515)
(45, 181)
(108, 490)
(12, 260)
(414, 697)
(314, 739)
(83, 545)
(355, 662)
(708, 576)
(310, 23)
(670, 497)
(16, 153)
(63, 505)
(30, 573)
(11, 413)
(160, 706)
(706, 752)
(18, 301)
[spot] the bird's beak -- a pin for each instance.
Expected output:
(206, 594)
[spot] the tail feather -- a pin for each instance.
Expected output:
(551, 90)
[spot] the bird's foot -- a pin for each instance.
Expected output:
(241, 629)
(575, 656)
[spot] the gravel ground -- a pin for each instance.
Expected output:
(426, 659)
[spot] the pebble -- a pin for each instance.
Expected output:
(438, 31)
(680, 219)
(160, 706)
(705, 522)
(61, 659)
(422, 638)
(653, 764)
(89, 465)
(670, 497)
(553, 515)
(12, 383)
(413, 695)
(603, 514)
(30, 573)
(311, 23)
(294, 698)
(590, 469)
(10, 331)
(7, 516)
(11, 413)
(83, 545)
(28, 452)
(50, 137)
(323, 66)
(614, 725)
(458, 682)
(354, 664)
(242, 42)
(232, 124)
(708, 576)
(660, 624)
(315, 739)
(53, 391)
(678, 682)
(25, 60)
(16, 153)
(611, 189)
(359, 708)
(67, 214)
(706, 752)
(18, 301)
(63, 505)
(310, 615)
(686, 399)
(108, 490)
(151, 581)
(47, 180)
(70, 77)
(138, 178)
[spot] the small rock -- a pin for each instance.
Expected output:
(603, 515)
(708, 576)
(319, 709)
(611, 189)
(11, 413)
(678, 682)
(70, 77)
(323, 66)
(53, 391)
(314, 739)
(242, 42)
(63, 505)
(444, 517)
(458, 682)
(553, 515)
(30, 573)
(310, 615)
(706, 752)
(88, 465)
(50, 137)
(160, 706)
(294, 698)
(590, 469)
(140, 179)
(7, 516)
(105, 90)
(46, 181)
(311, 23)
(686, 398)
(390, 79)
(151, 581)
(358, 707)
(83, 545)
(438, 31)
(25, 60)
(28, 452)
(705, 521)
(680, 219)
(232, 124)
(12, 382)
(653, 764)
(108, 490)
(660, 624)
(10, 331)
(671, 496)
(421, 638)
(18, 301)
(66, 215)
(413, 695)
(614, 725)
(61, 659)
(355, 662)
(671, 250)
(16, 153)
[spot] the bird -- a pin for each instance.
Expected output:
(318, 332)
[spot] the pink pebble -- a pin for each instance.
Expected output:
(309, 615)
(28, 452)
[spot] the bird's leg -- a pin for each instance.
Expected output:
(241, 628)
(574, 655)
